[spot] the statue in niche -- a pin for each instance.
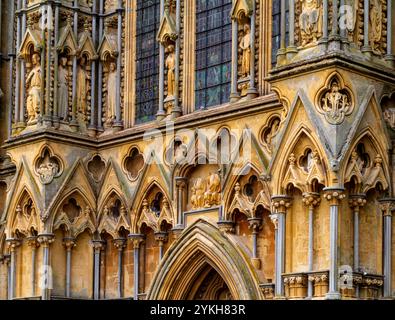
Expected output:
(33, 87)
(198, 190)
(376, 25)
(111, 92)
(351, 14)
(82, 86)
(171, 66)
(212, 195)
(335, 104)
(63, 89)
(310, 21)
(245, 46)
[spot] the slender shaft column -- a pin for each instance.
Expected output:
(18, 80)
(33, 243)
(234, 95)
(366, 8)
(13, 244)
(118, 121)
(120, 244)
(291, 24)
(92, 124)
(334, 196)
(74, 123)
(280, 203)
(324, 38)
(389, 56)
(387, 206)
(356, 202)
(255, 225)
(45, 241)
(181, 184)
(161, 237)
(98, 246)
(161, 110)
(335, 20)
(282, 27)
(7, 261)
(176, 112)
(137, 241)
(23, 70)
(56, 64)
(69, 244)
(252, 92)
(311, 200)
(100, 74)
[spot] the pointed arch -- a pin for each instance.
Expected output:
(200, 244)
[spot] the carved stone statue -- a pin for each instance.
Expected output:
(171, 66)
(82, 86)
(376, 25)
(33, 87)
(47, 171)
(335, 104)
(310, 21)
(63, 89)
(212, 195)
(198, 190)
(272, 131)
(245, 46)
(111, 92)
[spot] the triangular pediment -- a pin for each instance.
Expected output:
(86, 46)
(67, 40)
(167, 28)
(242, 7)
(108, 46)
(31, 37)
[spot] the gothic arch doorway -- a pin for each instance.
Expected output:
(204, 264)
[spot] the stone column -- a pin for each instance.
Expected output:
(161, 110)
(98, 246)
(390, 56)
(281, 52)
(234, 95)
(291, 49)
(181, 184)
(280, 203)
(120, 244)
(7, 261)
(176, 112)
(137, 241)
(69, 244)
(33, 244)
(324, 38)
(311, 200)
(255, 224)
(74, 122)
(18, 81)
(100, 73)
(387, 206)
(56, 64)
(45, 241)
(252, 92)
(366, 9)
(334, 196)
(356, 202)
(161, 237)
(13, 245)
(118, 124)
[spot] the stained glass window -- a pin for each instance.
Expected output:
(147, 60)
(213, 52)
(276, 27)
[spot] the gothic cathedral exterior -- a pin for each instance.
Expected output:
(197, 149)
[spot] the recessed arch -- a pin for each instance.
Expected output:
(202, 244)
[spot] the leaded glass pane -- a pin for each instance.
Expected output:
(147, 60)
(213, 52)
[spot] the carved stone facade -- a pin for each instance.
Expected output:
(113, 177)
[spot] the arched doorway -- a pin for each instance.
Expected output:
(204, 264)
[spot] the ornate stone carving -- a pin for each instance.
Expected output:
(376, 17)
(295, 285)
(33, 88)
(171, 66)
(47, 166)
(206, 193)
(335, 101)
(310, 21)
(111, 93)
(83, 87)
(320, 280)
(270, 132)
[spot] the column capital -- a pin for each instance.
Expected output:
(274, 218)
(33, 242)
(387, 205)
(161, 236)
(255, 224)
(7, 259)
(181, 182)
(357, 201)
(280, 203)
(334, 195)
(13, 243)
(120, 243)
(69, 243)
(45, 239)
(311, 199)
(137, 239)
(98, 245)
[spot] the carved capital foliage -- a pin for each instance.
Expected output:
(255, 224)
(357, 201)
(387, 206)
(120, 243)
(46, 239)
(69, 243)
(98, 245)
(311, 199)
(334, 195)
(13, 243)
(161, 237)
(280, 203)
(137, 239)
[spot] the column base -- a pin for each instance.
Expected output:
(234, 97)
(117, 126)
(252, 93)
(279, 298)
(92, 131)
(367, 51)
(390, 60)
(333, 296)
(74, 125)
(291, 52)
(177, 112)
(160, 116)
